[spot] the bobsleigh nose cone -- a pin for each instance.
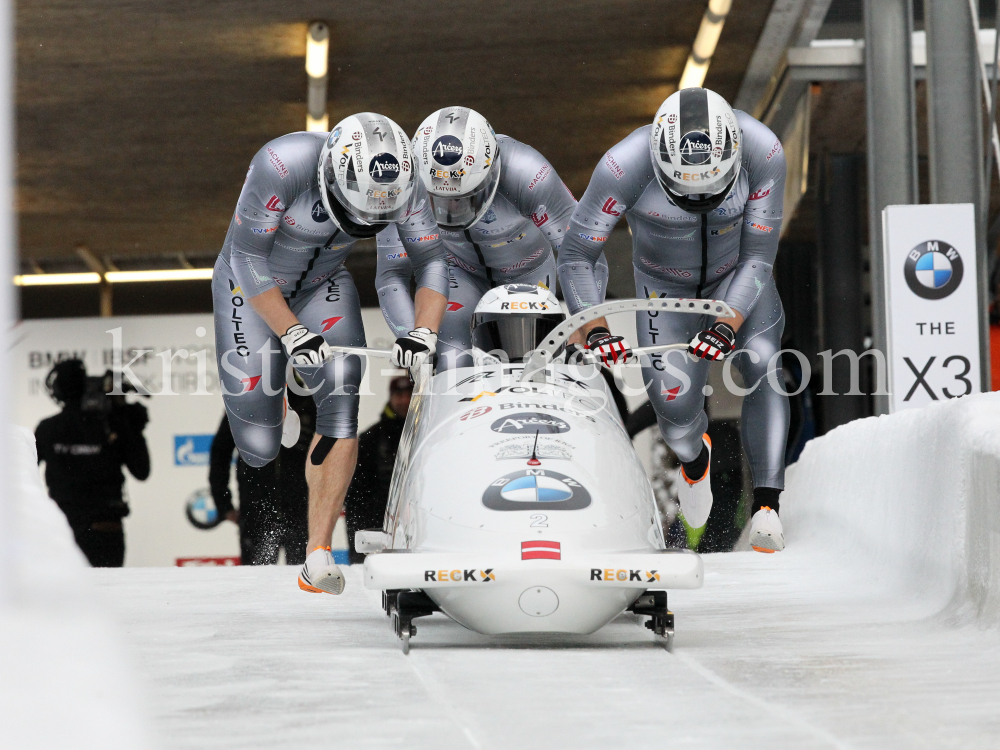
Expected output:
(538, 601)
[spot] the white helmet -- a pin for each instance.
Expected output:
(695, 145)
(515, 318)
(459, 162)
(366, 174)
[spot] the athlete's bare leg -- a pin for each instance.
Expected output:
(328, 485)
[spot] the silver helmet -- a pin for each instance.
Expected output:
(459, 162)
(366, 174)
(695, 145)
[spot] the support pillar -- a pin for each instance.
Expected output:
(841, 273)
(892, 137)
(955, 131)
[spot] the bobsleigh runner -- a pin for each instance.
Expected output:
(518, 504)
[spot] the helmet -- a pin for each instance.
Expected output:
(695, 145)
(459, 162)
(366, 176)
(516, 318)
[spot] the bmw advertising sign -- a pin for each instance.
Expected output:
(535, 490)
(932, 306)
(933, 269)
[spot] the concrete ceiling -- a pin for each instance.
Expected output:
(136, 121)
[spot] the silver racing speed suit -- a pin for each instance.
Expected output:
(280, 236)
(512, 243)
(725, 254)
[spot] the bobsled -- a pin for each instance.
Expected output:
(518, 503)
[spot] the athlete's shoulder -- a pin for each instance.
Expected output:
(290, 154)
(515, 155)
(760, 144)
(520, 166)
(628, 161)
(515, 149)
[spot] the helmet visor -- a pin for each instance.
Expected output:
(698, 203)
(462, 211)
(375, 205)
(517, 335)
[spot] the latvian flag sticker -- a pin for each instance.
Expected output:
(539, 550)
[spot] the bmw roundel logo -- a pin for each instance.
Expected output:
(447, 150)
(334, 136)
(200, 510)
(933, 269)
(535, 489)
(695, 148)
(384, 168)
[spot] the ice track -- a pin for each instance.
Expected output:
(878, 627)
(241, 659)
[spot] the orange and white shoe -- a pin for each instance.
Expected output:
(320, 574)
(695, 495)
(766, 534)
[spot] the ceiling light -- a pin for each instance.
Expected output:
(317, 49)
(322, 125)
(114, 277)
(178, 274)
(46, 279)
(705, 43)
(317, 53)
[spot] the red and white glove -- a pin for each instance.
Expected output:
(713, 344)
(611, 349)
(305, 348)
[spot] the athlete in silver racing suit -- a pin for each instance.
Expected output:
(281, 271)
(512, 241)
(724, 253)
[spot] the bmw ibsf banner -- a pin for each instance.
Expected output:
(932, 314)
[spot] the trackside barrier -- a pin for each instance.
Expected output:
(914, 495)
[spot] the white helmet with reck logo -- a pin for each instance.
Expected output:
(695, 145)
(366, 174)
(515, 318)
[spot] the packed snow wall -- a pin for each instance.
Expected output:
(65, 677)
(909, 503)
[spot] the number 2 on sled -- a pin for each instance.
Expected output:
(539, 520)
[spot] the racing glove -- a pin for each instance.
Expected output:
(610, 349)
(579, 355)
(305, 348)
(414, 349)
(713, 344)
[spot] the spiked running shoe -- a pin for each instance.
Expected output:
(766, 534)
(695, 495)
(320, 574)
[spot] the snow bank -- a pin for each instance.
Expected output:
(911, 501)
(64, 681)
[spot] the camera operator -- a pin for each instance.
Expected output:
(84, 448)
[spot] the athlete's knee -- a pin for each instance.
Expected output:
(339, 422)
(255, 461)
(258, 444)
(684, 439)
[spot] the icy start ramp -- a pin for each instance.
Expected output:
(876, 628)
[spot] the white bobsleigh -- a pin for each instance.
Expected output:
(518, 503)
